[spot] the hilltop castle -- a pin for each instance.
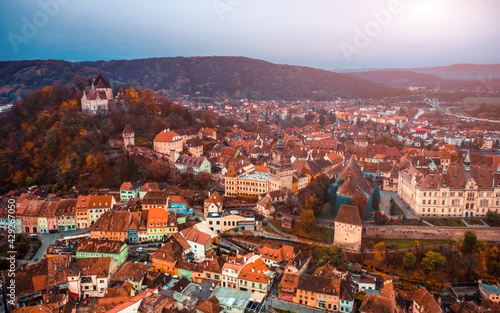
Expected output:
(95, 99)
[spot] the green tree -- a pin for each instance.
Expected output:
(375, 204)
(470, 241)
(416, 244)
(51, 144)
(432, 260)
(307, 218)
(409, 260)
(493, 217)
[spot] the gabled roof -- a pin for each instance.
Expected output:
(190, 160)
(319, 284)
(216, 265)
(211, 305)
(172, 251)
(348, 214)
(116, 221)
(255, 271)
(424, 299)
(160, 215)
(99, 246)
(128, 129)
(194, 235)
(129, 186)
(349, 188)
(167, 136)
(352, 169)
(377, 304)
(100, 202)
(99, 81)
(215, 198)
(94, 266)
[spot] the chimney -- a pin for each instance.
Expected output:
(164, 130)
(253, 270)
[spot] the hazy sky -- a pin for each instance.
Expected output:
(329, 34)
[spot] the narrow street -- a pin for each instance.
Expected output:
(50, 238)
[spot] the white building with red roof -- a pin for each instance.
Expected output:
(166, 141)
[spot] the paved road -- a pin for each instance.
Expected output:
(48, 239)
(385, 198)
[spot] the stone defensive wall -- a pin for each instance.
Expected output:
(428, 232)
(147, 153)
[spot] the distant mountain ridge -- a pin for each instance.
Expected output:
(452, 76)
(203, 76)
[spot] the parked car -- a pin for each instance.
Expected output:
(85, 302)
(141, 249)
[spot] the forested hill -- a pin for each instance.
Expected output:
(204, 76)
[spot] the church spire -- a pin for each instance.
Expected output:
(280, 145)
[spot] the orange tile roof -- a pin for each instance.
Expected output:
(194, 235)
(167, 136)
(261, 168)
(100, 202)
(160, 215)
(255, 272)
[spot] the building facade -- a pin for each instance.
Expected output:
(461, 191)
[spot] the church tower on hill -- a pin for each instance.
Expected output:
(95, 99)
(280, 168)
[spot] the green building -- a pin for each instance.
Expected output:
(96, 248)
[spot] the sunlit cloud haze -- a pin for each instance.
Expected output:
(328, 34)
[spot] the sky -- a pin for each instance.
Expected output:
(328, 34)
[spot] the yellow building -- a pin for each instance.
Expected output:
(460, 191)
(253, 184)
(318, 292)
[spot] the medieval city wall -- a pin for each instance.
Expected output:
(147, 153)
(416, 232)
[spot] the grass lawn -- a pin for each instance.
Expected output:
(316, 233)
(446, 222)
(408, 243)
(268, 228)
(395, 209)
(414, 222)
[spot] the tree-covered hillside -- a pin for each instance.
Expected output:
(196, 76)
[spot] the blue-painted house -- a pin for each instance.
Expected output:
(133, 228)
(178, 204)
